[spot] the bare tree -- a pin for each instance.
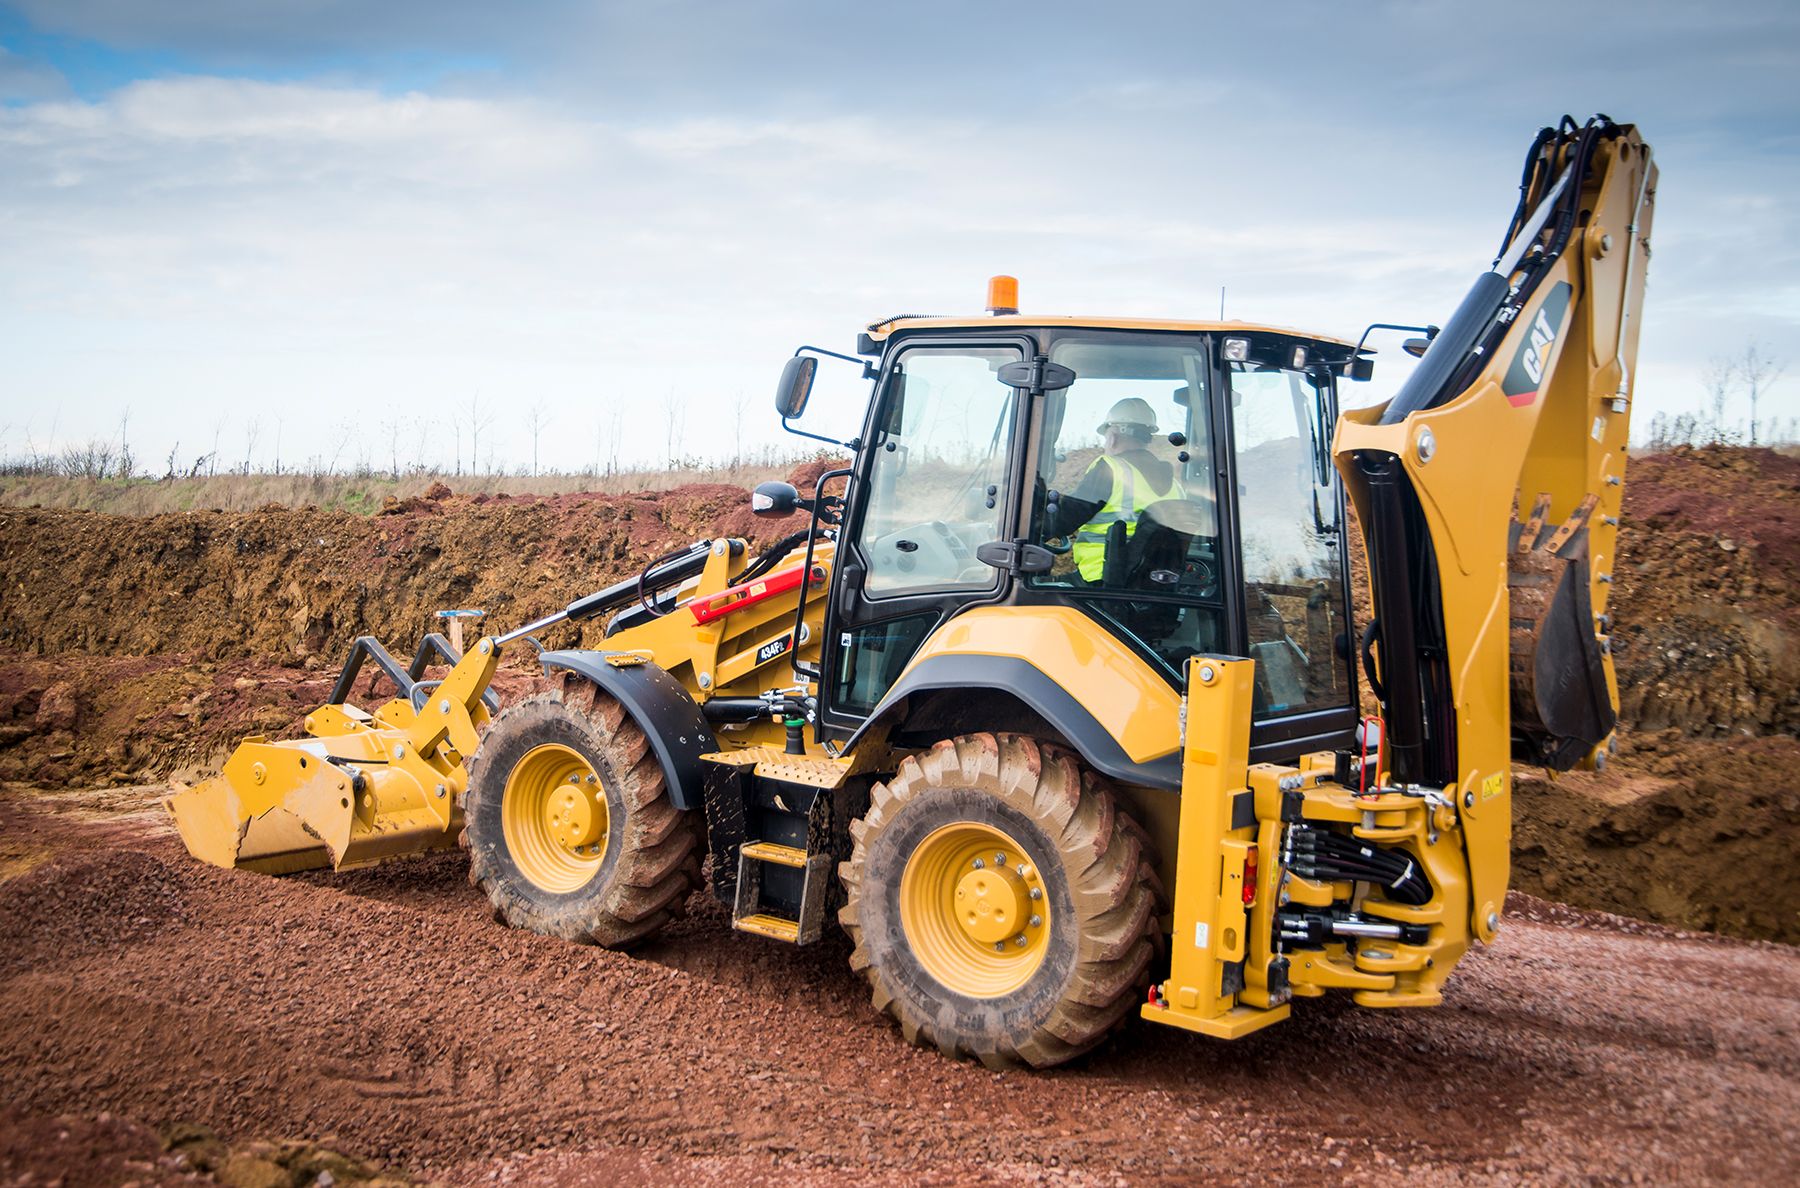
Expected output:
(1719, 378)
(212, 459)
(1758, 373)
(674, 426)
(737, 432)
(252, 431)
(127, 464)
(343, 440)
(614, 431)
(536, 417)
(478, 419)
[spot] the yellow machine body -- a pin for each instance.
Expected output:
(1517, 490)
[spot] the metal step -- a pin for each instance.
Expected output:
(763, 924)
(749, 913)
(762, 851)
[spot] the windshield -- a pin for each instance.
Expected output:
(938, 482)
(1126, 493)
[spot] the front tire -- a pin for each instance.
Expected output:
(941, 906)
(568, 822)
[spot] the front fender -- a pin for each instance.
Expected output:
(660, 706)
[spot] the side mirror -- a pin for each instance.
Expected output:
(796, 385)
(1416, 347)
(774, 500)
(1362, 369)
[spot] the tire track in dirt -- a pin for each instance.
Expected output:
(384, 1009)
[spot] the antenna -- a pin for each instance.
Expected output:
(1221, 303)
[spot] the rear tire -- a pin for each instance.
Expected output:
(548, 767)
(913, 883)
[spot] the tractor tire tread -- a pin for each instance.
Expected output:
(1104, 854)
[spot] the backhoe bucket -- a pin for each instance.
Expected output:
(283, 807)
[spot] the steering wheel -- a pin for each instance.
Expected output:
(1199, 577)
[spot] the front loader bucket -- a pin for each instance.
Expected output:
(283, 807)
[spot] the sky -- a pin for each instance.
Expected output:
(325, 232)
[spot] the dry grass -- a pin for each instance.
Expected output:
(360, 494)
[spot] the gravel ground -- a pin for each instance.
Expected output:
(384, 1015)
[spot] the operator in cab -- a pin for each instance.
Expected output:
(1124, 482)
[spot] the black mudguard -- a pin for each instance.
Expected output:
(1054, 704)
(661, 707)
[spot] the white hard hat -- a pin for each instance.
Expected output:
(1132, 410)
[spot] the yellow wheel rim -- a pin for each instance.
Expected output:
(974, 910)
(553, 813)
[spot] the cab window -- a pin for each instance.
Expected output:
(1290, 536)
(938, 480)
(1126, 493)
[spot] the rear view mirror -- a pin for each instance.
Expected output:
(1362, 369)
(1416, 347)
(775, 499)
(796, 385)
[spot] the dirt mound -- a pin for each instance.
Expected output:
(384, 1009)
(300, 583)
(116, 720)
(1699, 834)
(1706, 606)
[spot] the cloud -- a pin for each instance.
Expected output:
(24, 79)
(667, 197)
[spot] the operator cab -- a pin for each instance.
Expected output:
(1170, 480)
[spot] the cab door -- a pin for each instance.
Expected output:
(935, 481)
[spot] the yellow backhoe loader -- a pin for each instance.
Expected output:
(1052, 703)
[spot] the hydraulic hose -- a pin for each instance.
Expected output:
(773, 555)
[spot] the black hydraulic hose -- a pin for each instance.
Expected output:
(1371, 633)
(772, 556)
(1403, 696)
(1536, 162)
(643, 580)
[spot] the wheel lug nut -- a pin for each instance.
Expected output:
(999, 946)
(1037, 892)
(999, 859)
(980, 865)
(1019, 940)
(1037, 921)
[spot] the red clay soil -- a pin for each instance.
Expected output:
(382, 1016)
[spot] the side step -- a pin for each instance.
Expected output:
(751, 914)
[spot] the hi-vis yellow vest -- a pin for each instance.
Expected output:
(1131, 494)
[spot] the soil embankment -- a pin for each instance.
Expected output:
(137, 647)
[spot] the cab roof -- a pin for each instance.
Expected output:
(882, 330)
